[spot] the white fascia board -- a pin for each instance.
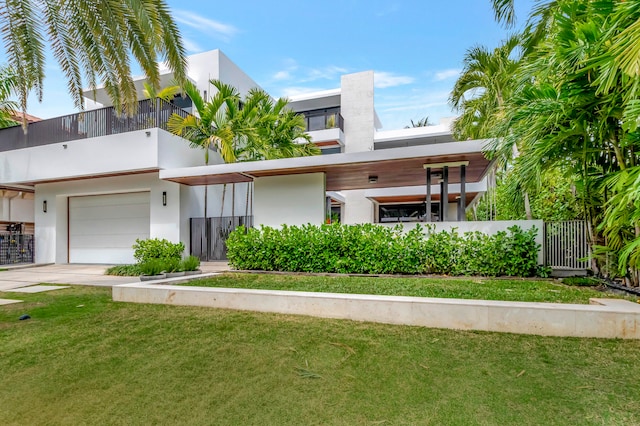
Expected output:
(454, 188)
(335, 195)
(451, 148)
(315, 95)
(411, 133)
(102, 97)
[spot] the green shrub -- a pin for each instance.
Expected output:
(375, 249)
(172, 265)
(124, 271)
(190, 263)
(154, 248)
(152, 267)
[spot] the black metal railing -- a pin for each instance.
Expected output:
(332, 120)
(150, 113)
(16, 248)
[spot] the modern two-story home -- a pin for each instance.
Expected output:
(99, 180)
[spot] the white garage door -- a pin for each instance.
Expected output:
(102, 228)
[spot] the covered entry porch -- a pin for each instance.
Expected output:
(294, 191)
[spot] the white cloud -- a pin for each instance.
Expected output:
(329, 72)
(446, 74)
(414, 100)
(290, 65)
(383, 79)
(398, 108)
(292, 73)
(205, 25)
(190, 45)
(282, 75)
(297, 90)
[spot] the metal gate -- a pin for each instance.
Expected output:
(208, 242)
(566, 245)
(16, 248)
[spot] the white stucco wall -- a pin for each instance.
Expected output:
(51, 228)
(131, 151)
(214, 64)
(358, 111)
(357, 207)
(21, 210)
(16, 209)
(292, 199)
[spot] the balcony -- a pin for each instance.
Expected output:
(326, 130)
(323, 121)
(89, 124)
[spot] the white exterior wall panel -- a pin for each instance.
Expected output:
(291, 200)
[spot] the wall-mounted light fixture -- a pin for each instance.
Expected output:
(148, 133)
(164, 198)
(44, 206)
(64, 145)
(373, 179)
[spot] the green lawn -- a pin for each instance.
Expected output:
(523, 290)
(83, 359)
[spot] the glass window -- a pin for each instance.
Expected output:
(316, 122)
(336, 150)
(184, 103)
(406, 212)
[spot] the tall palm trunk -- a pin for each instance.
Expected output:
(224, 193)
(233, 200)
(527, 203)
(246, 202)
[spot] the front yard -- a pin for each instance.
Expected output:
(84, 359)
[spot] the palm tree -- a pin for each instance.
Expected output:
(280, 132)
(7, 106)
(166, 93)
(487, 79)
(577, 110)
(249, 129)
(92, 41)
(212, 127)
(423, 122)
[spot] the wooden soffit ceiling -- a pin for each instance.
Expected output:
(356, 175)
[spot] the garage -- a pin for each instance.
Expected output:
(102, 228)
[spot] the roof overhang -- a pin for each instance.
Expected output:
(417, 194)
(101, 96)
(356, 170)
(315, 100)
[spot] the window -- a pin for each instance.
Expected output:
(320, 119)
(389, 213)
(334, 150)
(183, 103)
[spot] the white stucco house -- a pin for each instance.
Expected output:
(99, 181)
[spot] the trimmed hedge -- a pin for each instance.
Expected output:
(375, 249)
(154, 248)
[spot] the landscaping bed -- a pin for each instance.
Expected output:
(183, 365)
(521, 290)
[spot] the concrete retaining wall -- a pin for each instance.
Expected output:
(606, 318)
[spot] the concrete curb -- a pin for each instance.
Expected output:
(603, 319)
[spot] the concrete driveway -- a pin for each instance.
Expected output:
(76, 274)
(60, 274)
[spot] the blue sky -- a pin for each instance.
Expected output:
(415, 47)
